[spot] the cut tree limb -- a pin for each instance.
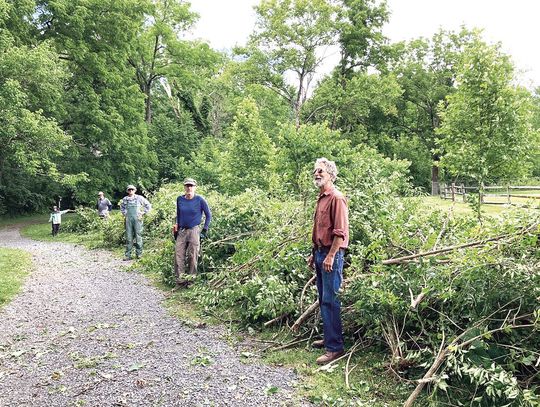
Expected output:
(301, 319)
(399, 260)
(276, 319)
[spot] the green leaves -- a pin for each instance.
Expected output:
(486, 133)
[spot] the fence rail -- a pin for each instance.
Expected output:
(455, 191)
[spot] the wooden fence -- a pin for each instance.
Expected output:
(494, 194)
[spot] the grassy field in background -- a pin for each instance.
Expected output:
(461, 208)
(15, 265)
(41, 230)
(34, 218)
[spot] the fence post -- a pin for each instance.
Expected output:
(463, 191)
(508, 193)
(453, 191)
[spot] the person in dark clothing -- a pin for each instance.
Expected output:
(189, 210)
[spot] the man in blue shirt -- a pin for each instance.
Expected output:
(189, 211)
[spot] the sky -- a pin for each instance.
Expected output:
(514, 24)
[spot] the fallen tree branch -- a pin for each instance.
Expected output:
(229, 238)
(301, 319)
(417, 300)
(399, 260)
(443, 352)
(288, 345)
(276, 319)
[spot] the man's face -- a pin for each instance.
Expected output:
(100, 196)
(55, 209)
(320, 176)
(190, 190)
(131, 192)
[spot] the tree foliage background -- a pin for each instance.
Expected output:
(97, 95)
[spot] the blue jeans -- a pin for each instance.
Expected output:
(328, 285)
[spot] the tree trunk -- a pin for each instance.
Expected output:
(435, 180)
(148, 106)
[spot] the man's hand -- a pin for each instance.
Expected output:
(311, 262)
(328, 262)
(204, 233)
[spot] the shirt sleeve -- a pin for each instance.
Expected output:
(207, 213)
(341, 218)
(62, 212)
(123, 206)
(146, 204)
(178, 211)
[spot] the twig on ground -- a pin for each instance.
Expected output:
(288, 345)
(228, 238)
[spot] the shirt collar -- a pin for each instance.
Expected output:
(329, 192)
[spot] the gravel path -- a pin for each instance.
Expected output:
(85, 333)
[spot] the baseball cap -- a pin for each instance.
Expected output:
(190, 181)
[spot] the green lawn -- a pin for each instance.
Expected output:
(14, 220)
(14, 267)
(370, 382)
(461, 208)
(40, 229)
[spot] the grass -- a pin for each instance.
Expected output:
(14, 267)
(37, 227)
(14, 220)
(370, 384)
(42, 231)
(461, 208)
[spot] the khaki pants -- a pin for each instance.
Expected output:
(187, 248)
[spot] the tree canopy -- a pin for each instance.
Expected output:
(96, 95)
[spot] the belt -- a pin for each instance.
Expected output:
(182, 229)
(326, 249)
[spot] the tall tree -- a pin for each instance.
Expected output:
(104, 105)
(159, 53)
(250, 152)
(486, 126)
(289, 43)
(426, 71)
(361, 40)
(31, 95)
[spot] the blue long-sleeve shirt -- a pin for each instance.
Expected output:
(189, 212)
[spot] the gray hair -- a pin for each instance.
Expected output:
(330, 167)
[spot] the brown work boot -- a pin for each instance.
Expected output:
(328, 357)
(318, 344)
